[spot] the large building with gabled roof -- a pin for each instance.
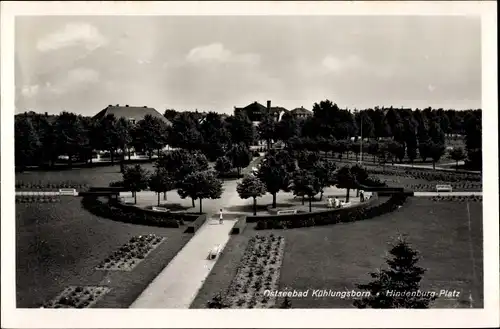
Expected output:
(132, 113)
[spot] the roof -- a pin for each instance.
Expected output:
(253, 106)
(278, 109)
(300, 110)
(130, 112)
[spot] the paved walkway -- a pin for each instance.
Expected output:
(177, 285)
(466, 193)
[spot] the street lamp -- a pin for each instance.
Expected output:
(361, 144)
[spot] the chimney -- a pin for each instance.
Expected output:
(268, 105)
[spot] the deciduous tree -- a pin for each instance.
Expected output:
(135, 179)
(251, 187)
(201, 185)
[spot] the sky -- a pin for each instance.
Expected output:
(83, 64)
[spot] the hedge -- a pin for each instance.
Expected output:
(299, 216)
(344, 215)
(194, 226)
(240, 225)
(113, 211)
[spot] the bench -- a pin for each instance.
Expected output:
(443, 188)
(214, 252)
(287, 211)
(67, 191)
(160, 209)
(344, 204)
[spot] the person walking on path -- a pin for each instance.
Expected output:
(221, 219)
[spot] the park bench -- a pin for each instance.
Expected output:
(160, 209)
(287, 211)
(214, 252)
(344, 204)
(68, 191)
(443, 188)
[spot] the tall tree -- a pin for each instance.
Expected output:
(287, 128)
(251, 187)
(152, 134)
(274, 174)
(161, 182)
(71, 135)
(201, 185)
(305, 183)
(241, 129)
(170, 114)
(135, 179)
(240, 156)
(267, 129)
(223, 165)
(27, 142)
(436, 151)
(398, 286)
(184, 132)
(215, 135)
(107, 135)
(123, 135)
(347, 180)
(457, 154)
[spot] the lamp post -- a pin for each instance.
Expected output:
(361, 144)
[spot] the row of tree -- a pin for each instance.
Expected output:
(306, 176)
(41, 139)
(187, 172)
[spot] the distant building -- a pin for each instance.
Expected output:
(132, 113)
(301, 112)
(256, 111)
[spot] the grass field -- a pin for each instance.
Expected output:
(340, 256)
(60, 244)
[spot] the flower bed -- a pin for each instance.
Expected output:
(456, 186)
(47, 186)
(459, 198)
(37, 198)
(122, 213)
(429, 175)
(131, 254)
(77, 297)
(258, 271)
(334, 216)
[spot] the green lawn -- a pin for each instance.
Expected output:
(60, 244)
(340, 256)
(97, 176)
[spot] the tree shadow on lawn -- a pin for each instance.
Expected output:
(260, 207)
(170, 206)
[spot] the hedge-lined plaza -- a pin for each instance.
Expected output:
(104, 247)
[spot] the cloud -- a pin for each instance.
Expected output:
(216, 52)
(30, 91)
(74, 80)
(337, 64)
(73, 34)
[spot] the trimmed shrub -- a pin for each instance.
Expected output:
(113, 211)
(345, 215)
(240, 225)
(194, 226)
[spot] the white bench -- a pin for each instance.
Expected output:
(344, 204)
(214, 252)
(160, 209)
(68, 191)
(287, 211)
(444, 188)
